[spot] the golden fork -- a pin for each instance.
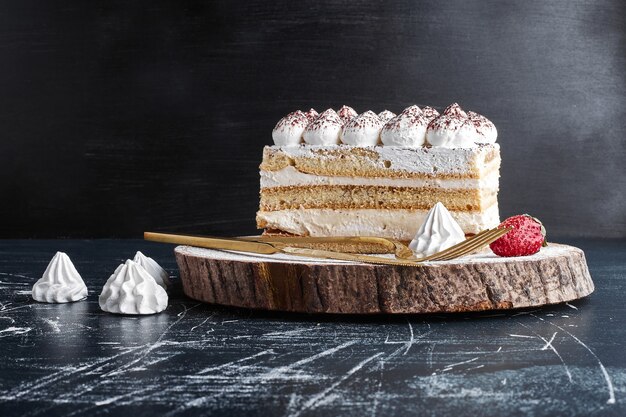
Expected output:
(467, 246)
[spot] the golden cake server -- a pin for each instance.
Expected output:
(266, 248)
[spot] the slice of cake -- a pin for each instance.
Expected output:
(385, 180)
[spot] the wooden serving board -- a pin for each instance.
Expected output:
(482, 281)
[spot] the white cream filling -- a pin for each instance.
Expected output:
(396, 224)
(290, 176)
(414, 160)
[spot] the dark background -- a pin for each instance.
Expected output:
(120, 117)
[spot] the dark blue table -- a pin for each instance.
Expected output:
(73, 359)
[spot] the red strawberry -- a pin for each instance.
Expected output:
(526, 238)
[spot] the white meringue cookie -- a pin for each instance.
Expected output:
(386, 115)
(289, 129)
(346, 113)
(60, 283)
(131, 290)
(453, 129)
(155, 270)
(407, 129)
(438, 232)
(485, 128)
(325, 130)
(363, 130)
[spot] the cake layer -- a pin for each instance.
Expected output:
(384, 161)
(396, 224)
(374, 197)
(376, 191)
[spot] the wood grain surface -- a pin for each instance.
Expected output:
(120, 117)
(475, 283)
(201, 359)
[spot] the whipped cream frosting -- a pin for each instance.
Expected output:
(452, 129)
(429, 113)
(485, 128)
(60, 283)
(438, 232)
(155, 270)
(386, 115)
(311, 115)
(413, 127)
(407, 129)
(414, 109)
(346, 113)
(131, 290)
(325, 130)
(289, 129)
(363, 130)
(454, 110)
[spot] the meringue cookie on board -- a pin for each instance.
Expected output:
(159, 274)
(438, 232)
(131, 290)
(60, 283)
